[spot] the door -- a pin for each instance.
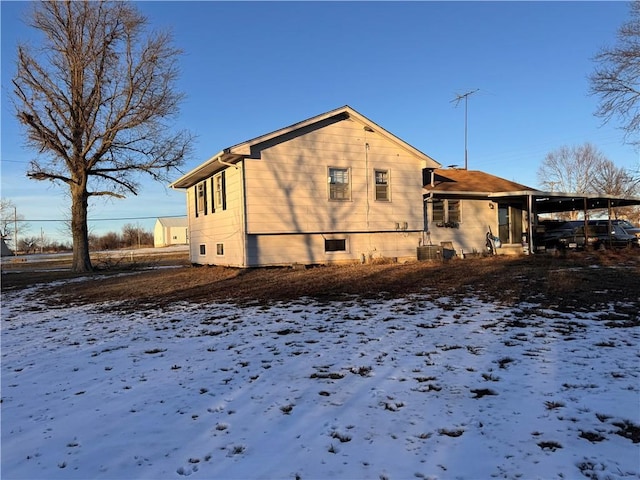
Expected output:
(509, 223)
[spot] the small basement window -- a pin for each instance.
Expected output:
(203, 250)
(335, 245)
(219, 248)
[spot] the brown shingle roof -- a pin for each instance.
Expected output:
(458, 180)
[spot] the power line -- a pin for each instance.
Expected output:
(100, 219)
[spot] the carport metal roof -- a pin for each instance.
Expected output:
(554, 202)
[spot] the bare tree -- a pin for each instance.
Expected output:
(136, 236)
(9, 220)
(615, 78)
(570, 169)
(609, 179)
(96, 102)
(584, 169)
(28, 245)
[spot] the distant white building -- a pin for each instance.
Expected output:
(170, 231)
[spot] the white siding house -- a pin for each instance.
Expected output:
(330, 189)
(462, 206)
(170, 231)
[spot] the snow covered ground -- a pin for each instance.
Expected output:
(417, 387)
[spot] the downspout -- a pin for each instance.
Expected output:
(366, 169)
(243, 216)
(222, 162)
(425, 215)
(235, 165)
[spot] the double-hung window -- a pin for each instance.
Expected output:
(339, 186)
(382, 185)
(445, 212)
(437, 211)
(453, 211)
(219, 192)
(201, 198)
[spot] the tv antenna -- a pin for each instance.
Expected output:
(458, 98)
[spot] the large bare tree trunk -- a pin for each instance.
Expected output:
(79, 230)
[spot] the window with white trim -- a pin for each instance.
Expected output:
(382, 185)
(220, 193)
(203, 249)
(446, 212)
(219, 248)
(339, 186)
(201, 198)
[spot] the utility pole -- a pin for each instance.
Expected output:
(457, 100)
(15, 232)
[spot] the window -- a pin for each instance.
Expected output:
(339, 188)
(446, 213)
(382, 185)
(203, 250)
(219, 248)
(201, 198)
(220, 193)
(335, 245)
(437, 215)
(453, 211)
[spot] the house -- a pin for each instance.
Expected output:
(170, 231)
(338, 188)
(463, 206)
(334, 188)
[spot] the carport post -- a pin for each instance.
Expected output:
(530, 223)
(586, 224)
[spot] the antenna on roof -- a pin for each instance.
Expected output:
(457, 100)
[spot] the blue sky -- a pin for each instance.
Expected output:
(253, 67)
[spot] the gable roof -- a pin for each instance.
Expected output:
(171, 222)
(453, 180)
(252, 148)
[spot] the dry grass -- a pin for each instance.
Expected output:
(582, 281)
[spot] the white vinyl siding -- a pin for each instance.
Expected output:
(288, 186)
(222, 227)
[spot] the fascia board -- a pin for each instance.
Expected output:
(193, 176)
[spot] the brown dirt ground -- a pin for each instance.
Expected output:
(585, 281)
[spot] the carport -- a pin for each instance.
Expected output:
(556, 202)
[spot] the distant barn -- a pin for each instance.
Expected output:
(170, 231)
